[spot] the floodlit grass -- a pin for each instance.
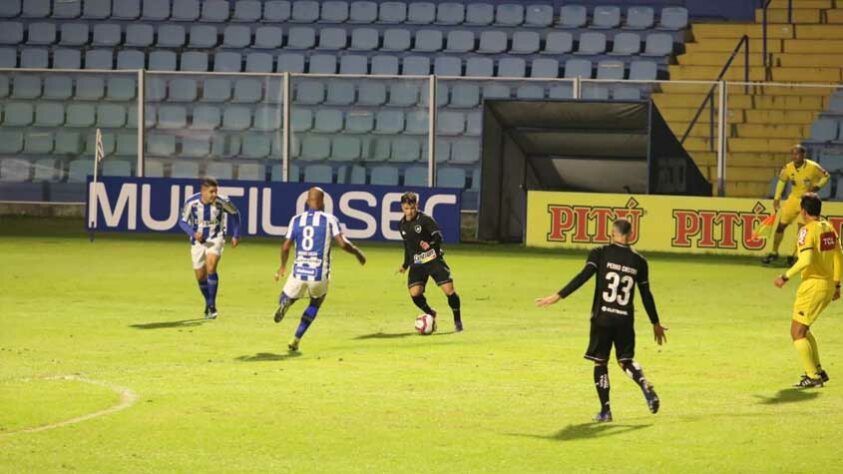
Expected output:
(510, 394)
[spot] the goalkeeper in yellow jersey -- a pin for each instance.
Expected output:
(820, 264)
(804, 176)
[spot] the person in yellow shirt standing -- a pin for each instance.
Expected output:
(804, 176)
(820, 264)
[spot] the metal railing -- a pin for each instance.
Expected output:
(764, 23)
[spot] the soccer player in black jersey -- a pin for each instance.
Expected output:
(423, 257)
(619, 269)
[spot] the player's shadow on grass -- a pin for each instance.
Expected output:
(788, 395)
(268, 357)
(184, 323)
(395, 335)
(587, 431)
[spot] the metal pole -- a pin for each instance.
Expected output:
(431, 132)
(141, 123)
(711, 122)
(746, 66)
(790, 11)
(285, 145)
(721, 135)
(764, 35)
(577, 85)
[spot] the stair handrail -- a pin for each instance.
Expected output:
(744, 42)
(765, 6)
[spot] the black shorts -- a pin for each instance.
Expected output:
(437, 269)
(622, 336)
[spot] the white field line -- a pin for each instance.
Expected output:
(127, 399)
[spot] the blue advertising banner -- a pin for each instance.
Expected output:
(365, 212)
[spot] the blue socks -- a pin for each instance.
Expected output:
(213, 284)
(203, 287)
(307, 317)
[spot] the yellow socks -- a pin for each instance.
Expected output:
(814, 350)
(806, 355)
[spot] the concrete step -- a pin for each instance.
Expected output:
(812, 46)
(738, 100)
(776, 16)
(736, 73)
(734, 31)
(687, 114)
(790, 117)
(749, 189)
(805, 60)
(759, 145)
(718, 59)
(758, 130)
(834, 17)
(751, 174)
(728, 45)
(821, 32)
(803, 4)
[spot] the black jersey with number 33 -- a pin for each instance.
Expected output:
(619, 270)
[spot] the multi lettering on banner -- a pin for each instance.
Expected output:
(365, 212)
(659, 223)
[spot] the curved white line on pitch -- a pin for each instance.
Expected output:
(127, 399)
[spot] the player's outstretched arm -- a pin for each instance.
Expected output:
(349, 247)
(285, 255)
(583, 276)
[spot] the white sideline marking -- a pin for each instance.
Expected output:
(127, 399)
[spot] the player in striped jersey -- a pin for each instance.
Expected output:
(205, 218)
(312, 232)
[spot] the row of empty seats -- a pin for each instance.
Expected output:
(334, 39)
(362, 12)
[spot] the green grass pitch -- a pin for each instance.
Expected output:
(510, 394)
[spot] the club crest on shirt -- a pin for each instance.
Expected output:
(803, 234)
(417, 228)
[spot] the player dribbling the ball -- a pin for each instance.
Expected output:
(423, 258)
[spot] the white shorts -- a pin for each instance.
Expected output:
(198, 251)
(296, 289)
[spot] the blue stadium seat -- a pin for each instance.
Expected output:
(73, 34)
(183, 90)
(592, 43)
(824, 130)
(10, 8)
(99, 59)
(129, 59)
(107, 34)
(185, 10)
(441, 96)
(403, 94)
(18, 115)
(417, 123)
(558, 42)
(305, 11)
(58, 87)
(639, 18)
(9, 58)
(392, 12)
(450, 123)
(364, 39)
(228, 61)
(658, 44)
(155, 10)
(428, 41)
(512, 67)
(114, 167)
(643, 70)
(345, 148)
(405, 150)
(492, 42)
(153, 168)
(363, 12)
(301, 120)
(11, 32)
(301, 38)
(318, 174)
(577, 68)
(373, 94)
(447, 66)
(46, 169)
(25, 87)
(384, 65)
(111, 116)
(237, 36)
(120, 88)
(384, 176)
(259, 62)
(323, 64)
(137, 35)
(356, 175)
(396, 40)
(479, 14)
(465, 96)
(530, 92)
(315, 148)
(172, 117)
(416, 66)
(195, 61)
(216, 89)
(626, 93)
(340, 93)
(525, 42)
(539, 16)
(68, 143)
(79, 115)
(465, 152)
(268, 37)
(206, 118)
(96, 9)
(67, 59)
(334, 12)
(835, 105)
(479, 67)
(459, 41)
(360, 122)
(610, 69)
(352, 64)
(41, 34)
(290, 62)
(34, 58)
(203, 36)
(184, 169)
(421, 13)
(674, 18)
(544, 67)
(236, 118)
(49, 114)
(126, 10)
(450, 178)
(450, 13)
(11, 142)
(251, 172)
(332, 39)
(415, 176)
(36, 9)
(626, 44)
(606, 17)
(328, 121)
(171, 36)
(572, 16)
(215, 11)
(595, 92)
(220, 170)
(509, 14)
(248, 11)
(267, 118)
(309, 92)
(277, 11)
(90, 88)
(389, 122)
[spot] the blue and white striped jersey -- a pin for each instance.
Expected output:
(312, 231)
(210, 219)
